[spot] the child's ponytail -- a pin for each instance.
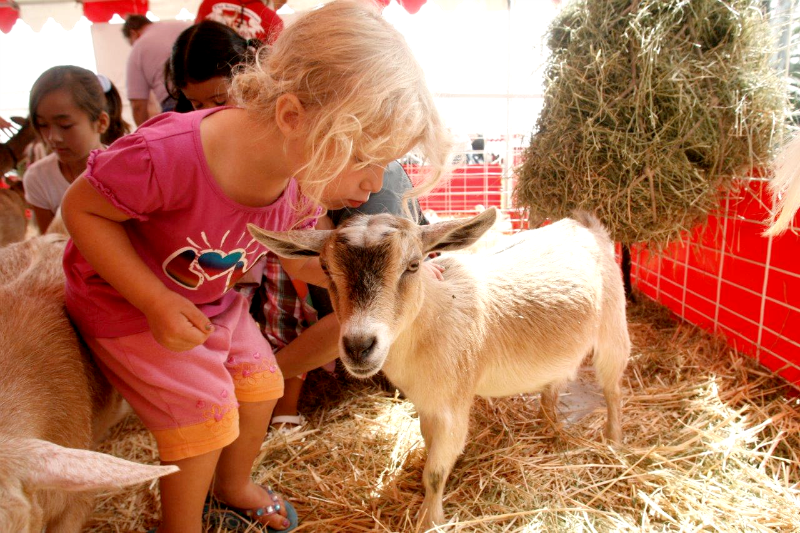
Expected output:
(117, 126)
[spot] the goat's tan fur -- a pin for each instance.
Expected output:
(13, 223)
(519, 319)
(55, 403)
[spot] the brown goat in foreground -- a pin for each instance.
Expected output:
(507, 321)
(54, 403)
(13, 222)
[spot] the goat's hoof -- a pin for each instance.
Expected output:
(613, 436)
(549, 418)
(614, 440)
(427, 520)
(550, 428)
(426, 526)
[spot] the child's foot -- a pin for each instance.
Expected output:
(286, 424)
(256, 504)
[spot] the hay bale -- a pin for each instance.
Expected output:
(652, 107)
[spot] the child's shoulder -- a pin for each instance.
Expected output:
(170, 127)
(169, 138)
(167, 125)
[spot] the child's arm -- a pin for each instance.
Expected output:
(43, 217)
(307, 270)
(96, 228)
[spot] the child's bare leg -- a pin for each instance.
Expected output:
(233, 484)
(183, 493)
(287, 405)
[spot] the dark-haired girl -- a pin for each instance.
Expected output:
(204, 58)
(74, 112)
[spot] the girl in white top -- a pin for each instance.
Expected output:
(45, 185)
(74, 112)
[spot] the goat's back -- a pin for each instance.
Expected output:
(13, 222)
(49, 389)
(565, 267)
(533, 306)
(55, 402)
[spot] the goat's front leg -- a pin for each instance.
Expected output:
(444, 432)
(548, 405)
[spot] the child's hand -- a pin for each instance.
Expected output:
(177, 324)
(434, 269)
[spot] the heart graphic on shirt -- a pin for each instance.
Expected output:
(216, 263)
(190, 267)
(179, 268)
(241, 269)
(236, 275)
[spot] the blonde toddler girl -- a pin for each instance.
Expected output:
(159, 237)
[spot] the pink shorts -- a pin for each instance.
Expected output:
(189, 399)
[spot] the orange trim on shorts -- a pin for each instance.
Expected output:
(258, 386)
(198, 439)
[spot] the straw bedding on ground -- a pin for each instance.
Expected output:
(710, 442)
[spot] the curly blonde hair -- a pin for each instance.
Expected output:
(363, 92)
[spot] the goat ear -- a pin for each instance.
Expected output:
(292, 244)
(457, 234)
(51, 466)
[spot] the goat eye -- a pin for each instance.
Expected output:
(413, 266)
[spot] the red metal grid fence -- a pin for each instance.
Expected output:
(728, 279)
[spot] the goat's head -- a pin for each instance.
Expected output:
(373, 264)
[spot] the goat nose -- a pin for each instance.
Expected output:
(358, 347)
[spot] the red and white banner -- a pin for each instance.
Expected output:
(9, 13)
(103, 10)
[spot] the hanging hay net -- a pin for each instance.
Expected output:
(710, 443)
(651, 109)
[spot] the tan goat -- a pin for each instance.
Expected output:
(54, 403)
(508, 321)
(13, 222)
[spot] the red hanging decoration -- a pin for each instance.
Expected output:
(103, 10)
(412, 6)
(9, 14)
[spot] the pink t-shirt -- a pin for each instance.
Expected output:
(183, 226)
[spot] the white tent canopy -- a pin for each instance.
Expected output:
(482, 60)
(36, 12)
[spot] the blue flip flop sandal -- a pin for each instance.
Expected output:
(233, 518)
